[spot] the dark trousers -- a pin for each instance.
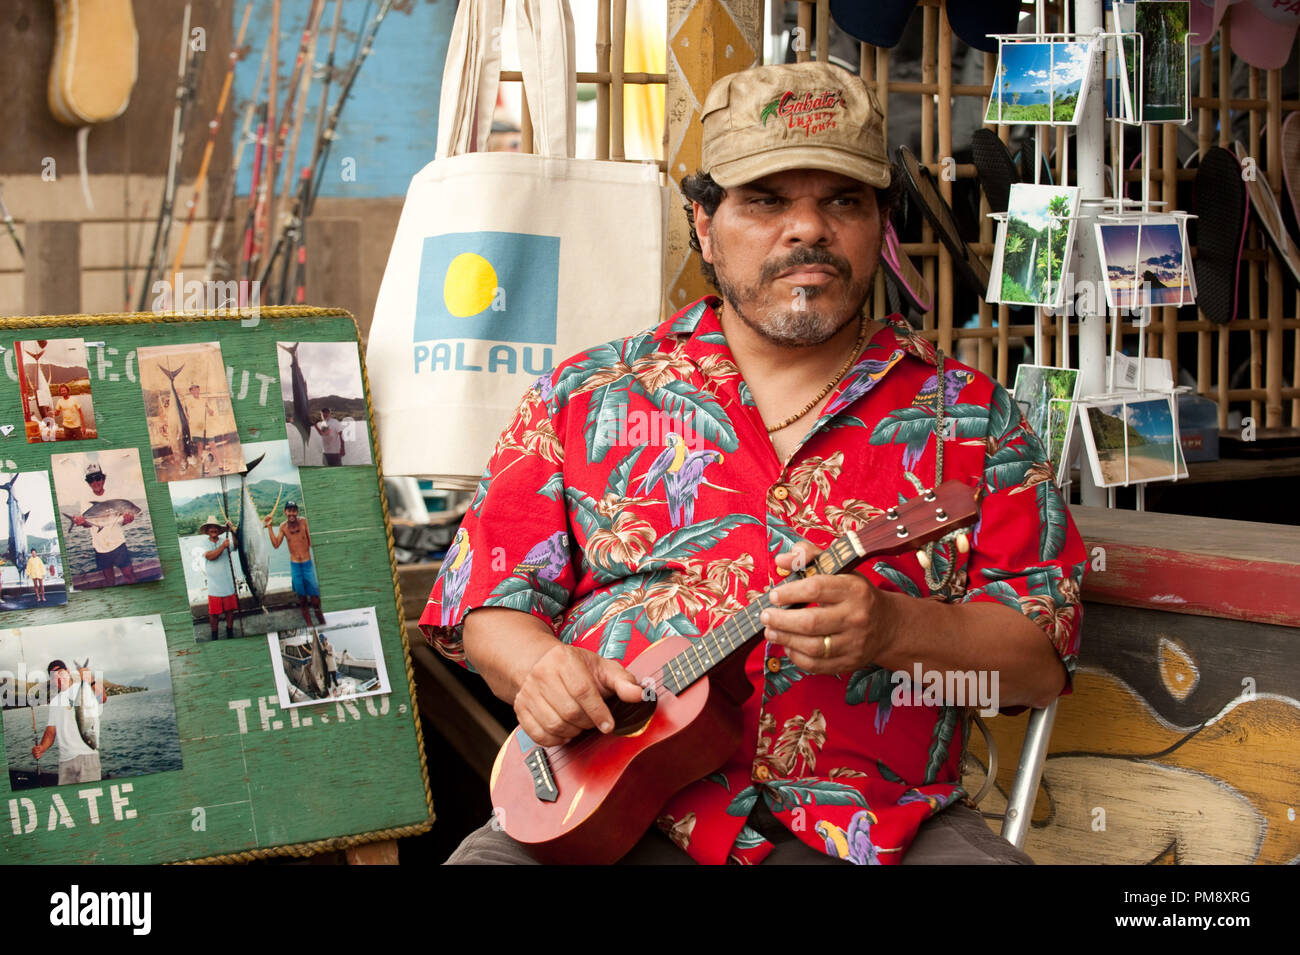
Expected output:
(957, 836)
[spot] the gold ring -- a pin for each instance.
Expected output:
(826, 646)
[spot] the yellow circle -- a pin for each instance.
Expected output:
(469, 286)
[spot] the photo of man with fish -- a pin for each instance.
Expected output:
(187, 406)
(30, 564)
(227, 550)
(108, 530)
(339, 659)
(324, 403)
(54, 379)
(87, 701)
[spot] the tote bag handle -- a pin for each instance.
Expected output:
(473, 67)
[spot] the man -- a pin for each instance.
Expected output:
(222, 599)
(68, 411)
(302, 571)
(197, 410)
(807, 420)
(331, 666)
(107, 535)
(331, 438)
(78, 763)
(36, 571)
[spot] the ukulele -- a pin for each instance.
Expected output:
(590, 800)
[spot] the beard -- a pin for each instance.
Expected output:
(812, 317)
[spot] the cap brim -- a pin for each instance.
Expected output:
(974, 22)
(1263, 43)
(881, 23)
(873, 172)
(1205, 20)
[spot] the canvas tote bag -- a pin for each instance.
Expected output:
(504, 264)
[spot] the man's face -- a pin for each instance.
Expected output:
(213, 532)
(194, 390)
(61, 679)
(795, 252)
(291, 515)
(97, 486)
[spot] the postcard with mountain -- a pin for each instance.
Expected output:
(1040, 82)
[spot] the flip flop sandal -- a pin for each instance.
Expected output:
(1269, 214)
(902, 273)
(923, 189)
(881, 23)
(994, 168)
(1222, 210)
(1025, 163)
(1291, 162)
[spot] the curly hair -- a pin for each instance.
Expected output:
(700, 187)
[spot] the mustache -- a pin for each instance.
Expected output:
(806, 255)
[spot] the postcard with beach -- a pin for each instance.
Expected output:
(341, 660)
(1133, 441)
(85, 701)
(54, 381)
(1034, 245)
(1146, 263)
(324, 403)
(1040, 82)
(106, 522)
(239, 581)
(187, 405)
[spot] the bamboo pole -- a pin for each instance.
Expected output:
(1273, 371)
(928, 44)
(805, 20)
(617, 53)
(602, 88)
(946, 315)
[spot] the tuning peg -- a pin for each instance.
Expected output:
(923, 559)
(963, 543)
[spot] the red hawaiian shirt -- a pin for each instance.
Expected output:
(636, 494)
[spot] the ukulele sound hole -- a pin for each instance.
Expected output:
(630, 718)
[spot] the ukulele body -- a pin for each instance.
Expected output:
(611, 787)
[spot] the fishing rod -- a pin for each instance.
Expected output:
(9, 224)
(135, 255)
(257, 198)
(250, 218)
(225, 515)
(214, 124)
(186, 87)
(311, 181)
(246, 136)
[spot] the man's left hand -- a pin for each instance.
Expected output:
(127, 518)
(849, 628)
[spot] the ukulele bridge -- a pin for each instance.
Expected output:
(539, 768)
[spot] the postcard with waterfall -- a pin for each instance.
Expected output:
(338, 661)
(1040, 82)
(1033, 245)
(54, 381)
(324, 403)
(1045, 395)
(187, 406)
(245, 544)
(1164, 28)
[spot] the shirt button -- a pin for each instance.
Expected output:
(762, 772)
(774, 665)
(780, 492)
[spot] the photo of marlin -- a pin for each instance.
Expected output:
(325, 408)
(31, 564)
(238, 584)
(188, 408)
(55, 382)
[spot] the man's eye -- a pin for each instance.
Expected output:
(769, 202)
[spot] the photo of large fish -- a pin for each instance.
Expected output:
(102, 513)
(252, 543)
(86, 710)
(301, 410)
(187, 443)
(16, 548)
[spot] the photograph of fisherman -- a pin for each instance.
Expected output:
(294, 530)
(325, 409)
(54, 379)
(87, 700)
(29, 554)
(340, 660)
(191, 419)
(109, 532)
(220, 568)
(231, 569)
(72, 713)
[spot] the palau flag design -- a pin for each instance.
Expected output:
(488, 286)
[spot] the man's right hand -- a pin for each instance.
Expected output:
(564, 694)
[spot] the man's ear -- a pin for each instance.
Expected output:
(704, 231)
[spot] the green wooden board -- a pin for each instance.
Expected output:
(256, 779)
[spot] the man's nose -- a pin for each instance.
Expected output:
(807, 223)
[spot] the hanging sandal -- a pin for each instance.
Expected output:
(994, 168)
(1222, 211)
(901, 272)
(923, 189)
(1269, 214)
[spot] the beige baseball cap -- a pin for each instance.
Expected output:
(793, 116)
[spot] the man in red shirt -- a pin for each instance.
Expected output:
(656, 485)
